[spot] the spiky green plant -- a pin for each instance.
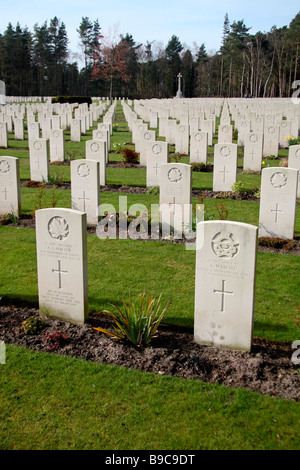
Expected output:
(136, 322)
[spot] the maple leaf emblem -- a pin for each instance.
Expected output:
(83, 170)
(58, 228)
(4, 166)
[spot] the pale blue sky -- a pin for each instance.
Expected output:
(193, 21)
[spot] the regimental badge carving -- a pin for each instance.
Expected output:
(253, 138)
(297, 153)
(225, 245)
(157, 149)
(225, 129)
(58, 228)
(95, 147)
(83, 170)
(283, 124)
(55, 134)
(4, 166)
(37, 145)
(271, 130)
(225, 151)
(198, 137)
(278, 180)
(174, 175)
(181, 129)
(147, 136)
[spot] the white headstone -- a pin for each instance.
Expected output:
(278, 202)
(39, 160)
(271, 140)
(182, 139)
(85, 190)
(10, 195)
(144, 138)
(3, 135)
(176, 195)
(225, 134)
(33, 129)
(76, 130)
(253, 146)
(103, 135)
(294, 162)
(57, 145)
(19, 128)
(225, 284)
(96, 150)
(157, 154)
(225, 166)
(61, 240)
(198, 147)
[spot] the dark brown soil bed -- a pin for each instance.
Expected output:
(267, 369)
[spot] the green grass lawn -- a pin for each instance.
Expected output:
(49, 401)
(117, 267)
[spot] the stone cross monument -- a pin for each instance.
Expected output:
(179, 93)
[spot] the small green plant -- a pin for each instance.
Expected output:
(33, 325)
(291, 140)
(55, 179)
(115, 126)
(154, 190)
(138, 322)
(222, 211)
(129, 155)
(116, 147)
(238, 187)
(9, 218)
(40, 199)
(245, 193)
(204, 167)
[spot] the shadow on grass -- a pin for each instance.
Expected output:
(30, 301)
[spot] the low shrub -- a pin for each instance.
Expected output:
(129, 155)
(205, 167)
(138, 322)
(33, 325)
(55, 340)
(277, 243)
(8, 219)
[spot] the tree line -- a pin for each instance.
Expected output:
(39, 63)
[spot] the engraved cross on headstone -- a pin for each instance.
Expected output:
(59, 271)
(277, 211)
(5, 194)
(38, 162)
(224, 172)
(156, 167)
(83, 199)
(223, 292)
(173, 203)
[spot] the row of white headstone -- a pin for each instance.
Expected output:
(224, 286)
(277, 201)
